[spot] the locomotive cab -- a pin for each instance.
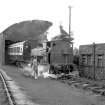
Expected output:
(26, 51)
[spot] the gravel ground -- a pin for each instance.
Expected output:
(52, 92)
(3, 99)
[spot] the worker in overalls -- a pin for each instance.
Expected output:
(35, 67)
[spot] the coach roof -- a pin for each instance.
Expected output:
(17, 44)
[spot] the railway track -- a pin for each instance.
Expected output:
(5, 95)
(95, 87)
(11, 93)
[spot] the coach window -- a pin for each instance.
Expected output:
(21, 50)
(8, 50)
(15, 50)
(18, 49)
(11, 50)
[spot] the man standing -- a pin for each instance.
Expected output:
(35, 67)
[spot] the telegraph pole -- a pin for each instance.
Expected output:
(94, 47)
(69, 21)
(71, 43)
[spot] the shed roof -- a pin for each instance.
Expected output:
(26, 30)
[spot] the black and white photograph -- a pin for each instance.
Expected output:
(52, 52)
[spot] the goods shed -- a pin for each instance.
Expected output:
(27, 30)
(92, 61)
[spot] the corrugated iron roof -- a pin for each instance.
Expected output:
(26, 30)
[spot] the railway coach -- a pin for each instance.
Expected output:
(19, 52)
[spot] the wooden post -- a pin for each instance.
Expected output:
(69, 21)
(94, 46)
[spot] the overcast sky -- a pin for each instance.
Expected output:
(87, 20)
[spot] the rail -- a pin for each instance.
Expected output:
(7, 90)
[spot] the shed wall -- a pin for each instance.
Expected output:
(2, 49)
